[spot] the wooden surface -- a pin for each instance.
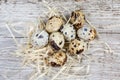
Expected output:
(104, 14)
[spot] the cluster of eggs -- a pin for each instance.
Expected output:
(57, 33)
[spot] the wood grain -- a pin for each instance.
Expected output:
(104, 14)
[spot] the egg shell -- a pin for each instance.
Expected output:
(69, 32)
(77, 19)
(57, 40)
(57, 59)
(77, 47)
(87, 33)
(39, 38)
(54, 23)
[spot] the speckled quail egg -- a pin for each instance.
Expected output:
(57, 40)
(77, 19)
(87, 33)
(57, 59)
(54, 23)
(39, 38)
(69, 32)
(77, 46)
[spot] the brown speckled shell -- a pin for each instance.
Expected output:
(54, 23)
(57, 59)
(77, 47)
(94, 34)
(77, 19)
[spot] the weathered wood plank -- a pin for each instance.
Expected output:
(104, 20)
(104, 14)
(104, 63)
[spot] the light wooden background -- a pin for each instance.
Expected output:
(104, 14)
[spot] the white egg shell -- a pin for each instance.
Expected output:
(86, 33)
(69, 32)
(40, 38)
